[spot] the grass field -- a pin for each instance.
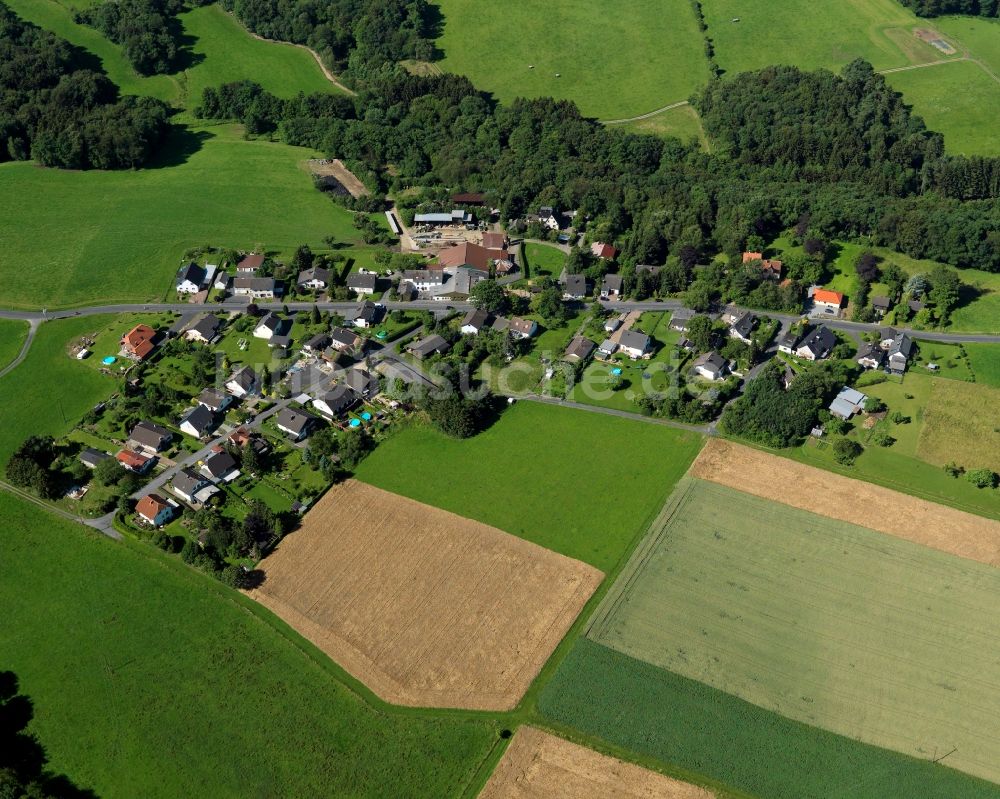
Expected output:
(150, 679)
(984, 361)
(682, 122)
(646, 55)
(807, 616)
(12, 336)
(674, 720)
(73, 238)
(579, 483)
(543, 259)
(959, 100)
(981, 36)
(961, 424)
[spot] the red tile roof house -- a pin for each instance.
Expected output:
(495, 241)
(134, 461)
(138, 342)
(602, 250)
(250, 264)
(154, 510)
(470, 255)
(826, 301)
(770, 268)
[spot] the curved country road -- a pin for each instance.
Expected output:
(32, 329)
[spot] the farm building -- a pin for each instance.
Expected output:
(847, 403)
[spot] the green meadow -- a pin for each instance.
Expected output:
(984, 361)
(80, 238)
(543, 259)
(645, 55)
(12, 336)
(149, 678)
(582, 484)
(977, 35)
(682, 122)
(807, 616)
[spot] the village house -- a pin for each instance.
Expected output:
(154, 510)
(788, 341)
(607, 348)
(295, 423)
(362, 284)
(270, 324)
(216, 400)
(679, 319)
(475, 321)
(138, 342)
(243, 383)
(423, 280)
(361, 382)
(426, 347)
(611, 324)
(602, 250)
(258, 288)
(282, 342)
(574, 287)
(495, 241)
(316, 344)
(817, 345)
(899, 353)
(471, 256)
(249, 264)
(365, 315)
(135, 462)
(90, 457)
(190, 279)
(243, 437)
(336, 400)
(547, 216)
(881, 306)
(743, 327)
(826, 302)
(205, 330)
(711, 366)
(315, 278)
(197, 421)
(579, 349)
(634, 344)
(220, 466)
(770, 268)
(191, 486)
(149, 438)
(871, 356)
(344, 340)
(522, 328)
(611, 287)
(847, 403)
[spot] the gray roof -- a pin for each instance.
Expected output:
(150, 434)
(245, 378)
(745, 325)
(712, 360)
(339, 397)
(433, 276)
(361, 381)
(820, 341)
(200, 417)
(318, 342)
(214, 398)
(788, 339)
(870, 351)
(429, 345)
(368, 311)
(881, 302)
(220, 464)
(271, 321)
(842, 407)
(886, 333)
(91, 457)
(295, 420)
(208, 327)
(477, 318)
(254, 283)
(191, 272)
(612, 283)
(342, 335)
(314, 273)
(902, 344)
(356, 280)
(634, 340)
(187, 482)
(576, 285)
(579, 348)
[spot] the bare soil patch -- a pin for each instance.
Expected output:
(425, 607)
(334, 168)
(537, 765)
(838, 497)
(936, 40)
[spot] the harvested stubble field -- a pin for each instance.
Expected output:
(425, 607)
(836, 497)
(867, 635)
(961, 424)
(537, 765)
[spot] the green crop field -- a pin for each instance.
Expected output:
(645, 55)
(961, 424)
(984, 361)
(151, 679)
(75, 238)
(959, 100)
(689, 725)
(12, 336)
(580, 483)
(807, 617)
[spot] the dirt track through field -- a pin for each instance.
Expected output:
(537, 765)
(838, 497)
(425, 607)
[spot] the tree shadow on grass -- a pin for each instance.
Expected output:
(180, 144)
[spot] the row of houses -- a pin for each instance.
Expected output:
(478, 320)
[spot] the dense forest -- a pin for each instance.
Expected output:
(859, 165)
(935, 8)
(147, 30)
(60, 113)
(352, 36)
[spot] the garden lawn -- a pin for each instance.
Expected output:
(805, 616)
(645, 55)
(48, 392)
(811, 35)
(669, 720)
(579, 483)
(984, 363)
(542, 259)
(151, 679)
(959, 100)
(12, 336)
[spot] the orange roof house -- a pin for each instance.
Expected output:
(827, 297)
(154, 509)
(495, 241)
(771, 267)
(470, 255)
(133, 461)
(602, 250)
(138, 342)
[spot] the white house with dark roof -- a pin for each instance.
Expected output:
(817, 345)
(362, 284)
(205, 330)
(295, 423)
(315, 278)
(215, 399)
(197, 421)
(711, 366)
(336, 400)
(635, 344)
(190, 279)
(243, 382)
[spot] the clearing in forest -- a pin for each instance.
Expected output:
(425, 607)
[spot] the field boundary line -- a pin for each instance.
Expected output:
(626, 120)
(626, 579)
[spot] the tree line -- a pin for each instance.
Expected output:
(842, 151)
(57, 110)
(935, 8)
